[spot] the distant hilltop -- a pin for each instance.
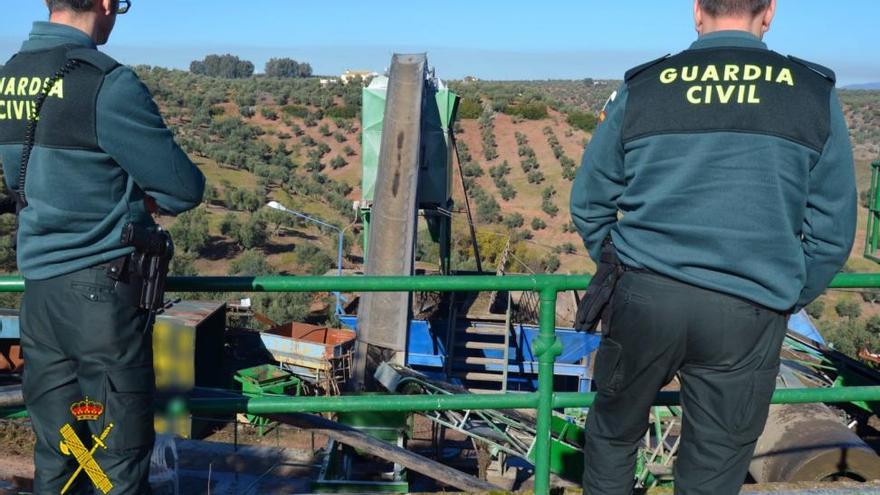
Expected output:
(873, 85)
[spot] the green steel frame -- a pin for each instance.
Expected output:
(547, 348)
(872, 238)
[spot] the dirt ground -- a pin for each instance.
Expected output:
(304, 449)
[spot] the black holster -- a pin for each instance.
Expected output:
(147, 265)
(596, 303)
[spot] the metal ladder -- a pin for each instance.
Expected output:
(477, 339)
(462, 342)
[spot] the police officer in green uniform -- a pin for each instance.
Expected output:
(724, 177)
(101, 159)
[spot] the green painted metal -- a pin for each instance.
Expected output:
(855, 281)
(333, 477)
(872, 238)
(388, 426)
(360, 284)
(383, 425)
(402, 283)
(366, 219)
(266, 379)
(547, 348)
(417, 403)
(566, 449)
(414, 403)
(850, 377)
(262, 380)
(13, 413)
(781, 396)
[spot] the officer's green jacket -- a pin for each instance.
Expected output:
(728, 167)
(80, 196)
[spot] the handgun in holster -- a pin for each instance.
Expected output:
(153, 250)
(596, 303)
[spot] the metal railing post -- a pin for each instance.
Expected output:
(547, 348)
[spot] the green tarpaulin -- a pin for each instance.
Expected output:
(436, 174)
(372, 115)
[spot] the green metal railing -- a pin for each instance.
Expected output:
(872, 237)
(547, 347)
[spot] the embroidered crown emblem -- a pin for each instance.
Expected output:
(86, 410)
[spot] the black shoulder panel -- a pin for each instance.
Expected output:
(821, 69)
(67, 119)
(730, 89)
(101, 61)
(641, 68)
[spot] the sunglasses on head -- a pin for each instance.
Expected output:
(123, 6)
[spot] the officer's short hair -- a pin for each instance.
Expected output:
(718, 8)
(74, 5)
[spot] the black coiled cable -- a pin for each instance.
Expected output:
(30, 134)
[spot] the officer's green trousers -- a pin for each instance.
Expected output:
(82, 336)
(725, 352)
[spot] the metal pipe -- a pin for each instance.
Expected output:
(416, 403)
(396, 284)
(357, 283)
(855, 281)
(780, 396)
(11, 396)
(547, 347)
(362, 403)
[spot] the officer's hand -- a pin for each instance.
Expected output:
(151, 205)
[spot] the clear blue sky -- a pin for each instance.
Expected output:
(514, 39)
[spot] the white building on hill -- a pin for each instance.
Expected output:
(351, 75)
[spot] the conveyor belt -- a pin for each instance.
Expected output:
(383, 317)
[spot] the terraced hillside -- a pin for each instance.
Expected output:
(520, 142)
(298, 142)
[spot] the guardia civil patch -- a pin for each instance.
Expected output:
(87, 410)
(604, 113)
(729, 89)
(71, 445)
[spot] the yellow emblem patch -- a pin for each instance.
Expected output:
(72, 445)
(87, 410)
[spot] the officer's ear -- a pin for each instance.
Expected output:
(698, 17)
(107, 7)
(768, 16)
